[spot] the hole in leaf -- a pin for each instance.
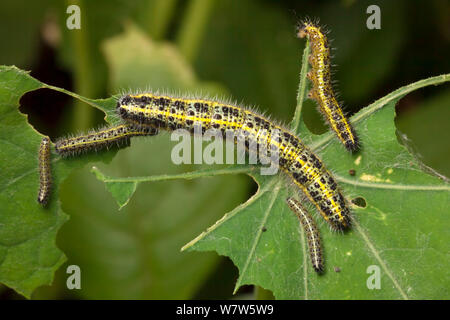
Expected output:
(360, 202)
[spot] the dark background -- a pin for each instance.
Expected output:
(249, 49)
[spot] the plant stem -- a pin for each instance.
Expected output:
(165, 177)
(82, 115)
(296, 121)
(193, 27)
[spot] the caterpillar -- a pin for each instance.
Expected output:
(322, 91)
(304, 168)
(45, 175)
(312, 233)
(101, 139)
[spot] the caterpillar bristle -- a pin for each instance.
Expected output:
(311, 232)
(102, 139)
(45, 174)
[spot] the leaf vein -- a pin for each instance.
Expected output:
(380, 260)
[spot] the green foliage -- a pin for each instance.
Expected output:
(250, 48)
(28, 255)
(26, 268)
(400, 200)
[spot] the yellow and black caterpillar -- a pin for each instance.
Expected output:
(45, 174)
(311, 231)
(322, 91)
(295, 159)
(101, 139)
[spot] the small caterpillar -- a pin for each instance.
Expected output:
(104, 138)
(322, 91)
(45, 175)
(312, 233)
(295, 159)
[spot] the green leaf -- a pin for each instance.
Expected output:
(401, 229)
(28, 254)
(122, 192)
(146, 63)
(123, 189)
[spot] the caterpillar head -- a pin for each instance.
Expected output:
(306, 27)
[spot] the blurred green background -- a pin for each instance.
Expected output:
(241, 49)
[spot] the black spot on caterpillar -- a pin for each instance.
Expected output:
(311, 231)
(295, 159)
(322, 91)
(45, 174)
(101, 139)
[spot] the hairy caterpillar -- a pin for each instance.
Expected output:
(311, 231)
(45, 174)
(295, 159)
(322, 91)
(101, 139)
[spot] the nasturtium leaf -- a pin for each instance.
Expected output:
(28, 254)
